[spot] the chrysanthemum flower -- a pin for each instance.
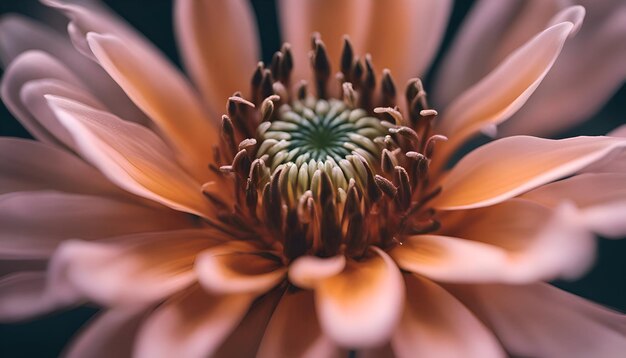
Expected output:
(312, 208)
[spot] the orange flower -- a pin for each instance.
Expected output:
(322, 213)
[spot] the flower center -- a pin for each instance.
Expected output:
(317, 175)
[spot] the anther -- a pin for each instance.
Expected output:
(386, 186)
(347, 58)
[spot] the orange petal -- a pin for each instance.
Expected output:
(511, 166)
(360, 307)
(307, 271)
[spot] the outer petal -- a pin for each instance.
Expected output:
(238, 267)
(35, 223)
(109, 334)
(614, 163)
(133, 269)
(24, 295)
(511, 166)
(294, 330)
(361, 306)
(174, 107)
(332, 19)
(505, 90)
(542, 321)
(559, 247)
(19, 34)
(219, 45)
(192, 324)
(600, 199)
(435, 324)
(30, 165)
(130, 156)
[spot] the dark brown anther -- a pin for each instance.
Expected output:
(286, 65)
(370, 74)
(330, 230)
(418, 167)
(241, 164)
(275, 66)
(321, 68)
(407, 133)
(327, 191)
(301, 90)
(387, 162)
(280, 90)
(252, 197)
(386, 186)
(255, 83)
(257, 171)
(373, 193)
(306, 207)
(274, 203)
(401, 180)
(356, 237)
(388, 89)
(228, 136)
(430, 144)
(347, 58)
(267, 108)
(357, 72)
(295, 236)
(353, 202)
(267, 84)
(411, 90)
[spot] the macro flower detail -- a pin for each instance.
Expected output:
(322, 214)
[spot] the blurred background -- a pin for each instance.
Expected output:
(45, 337)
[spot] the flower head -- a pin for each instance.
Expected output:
(320, 213)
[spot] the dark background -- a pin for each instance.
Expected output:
(605, 283)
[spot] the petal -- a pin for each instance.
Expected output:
(360, 307)
(600, 199)
(511, 166)
(404, 35)
(219, 46)
(27, 165)
(613, 163)
(559, 247)
(130, 156)
(34, 223)
(19, 34)
(192, 324)
(238, 267)
(109, 334)
(307, 271)
(435, 324)
(299, 19)
(24, 295)
(135, 268)
(505, 90)
(174, 108)
(294, 330)
(542, 321)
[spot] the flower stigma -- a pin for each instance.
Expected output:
(330, 171)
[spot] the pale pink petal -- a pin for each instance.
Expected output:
(238, 267)
(294, 330)
(332, 19)
(559, 247)
(27, 165)
(219, 45)
(361, 306)
(131, 156)
(600, 199)
(307, 271)
(505, 90)
(192, 324)
(135, 268)
(35, 223)
(109, 334)
(23, 295)
(511, 166)
(19, 34)
(542, 321)
(570, 102)
(435, 324)
(404, 35)
(614, 162)
(162, 93)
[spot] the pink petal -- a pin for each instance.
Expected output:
(294, 330)
(109, 334)
(174, 108)
(361, 306)
(34, 223)
(511, 166)
(135, 268)
(27, 165)
(614, 162)
(192, 324)
(542, 321)
(307, 271)
(505, 90)
(19, 34)
(435, 324)
(600, 199)
(131, 156)
(542, 250)
(238, 267)
(219, 44)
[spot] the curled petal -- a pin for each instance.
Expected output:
(307, 271)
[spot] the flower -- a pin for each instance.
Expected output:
(311, 218)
